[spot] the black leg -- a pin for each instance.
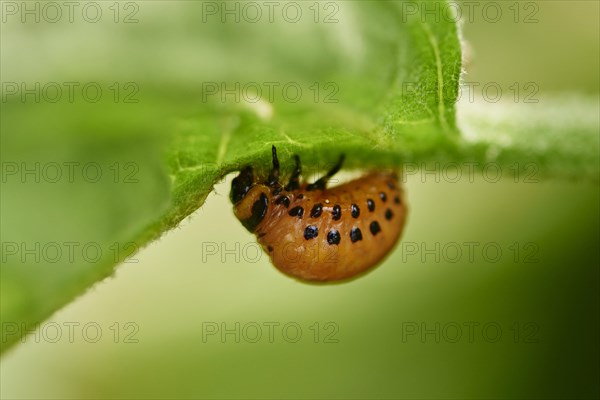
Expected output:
(336, 168)
(294, 183)
(320, 184)
(274, 175)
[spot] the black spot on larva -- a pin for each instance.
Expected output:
(391, 185)
(355, 211)
(311, 232)
(336, 212)
(296, 212)
(283, 200)
(333, 237)
(355, 235)
(370, 205)
(259, 210)
(383, 197)
(374, 228)
(389, 214)
(301, 196)
(270, 248)
(397, 199)
(316, 210)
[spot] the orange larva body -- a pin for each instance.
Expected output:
(326, 234)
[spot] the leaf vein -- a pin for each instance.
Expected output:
(440, 77)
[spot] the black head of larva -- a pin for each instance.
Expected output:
(241, 185)
(250, 199)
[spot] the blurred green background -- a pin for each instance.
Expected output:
(392, 333)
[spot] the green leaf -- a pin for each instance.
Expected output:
(75, 196)
(379, 84)
(558, 134)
